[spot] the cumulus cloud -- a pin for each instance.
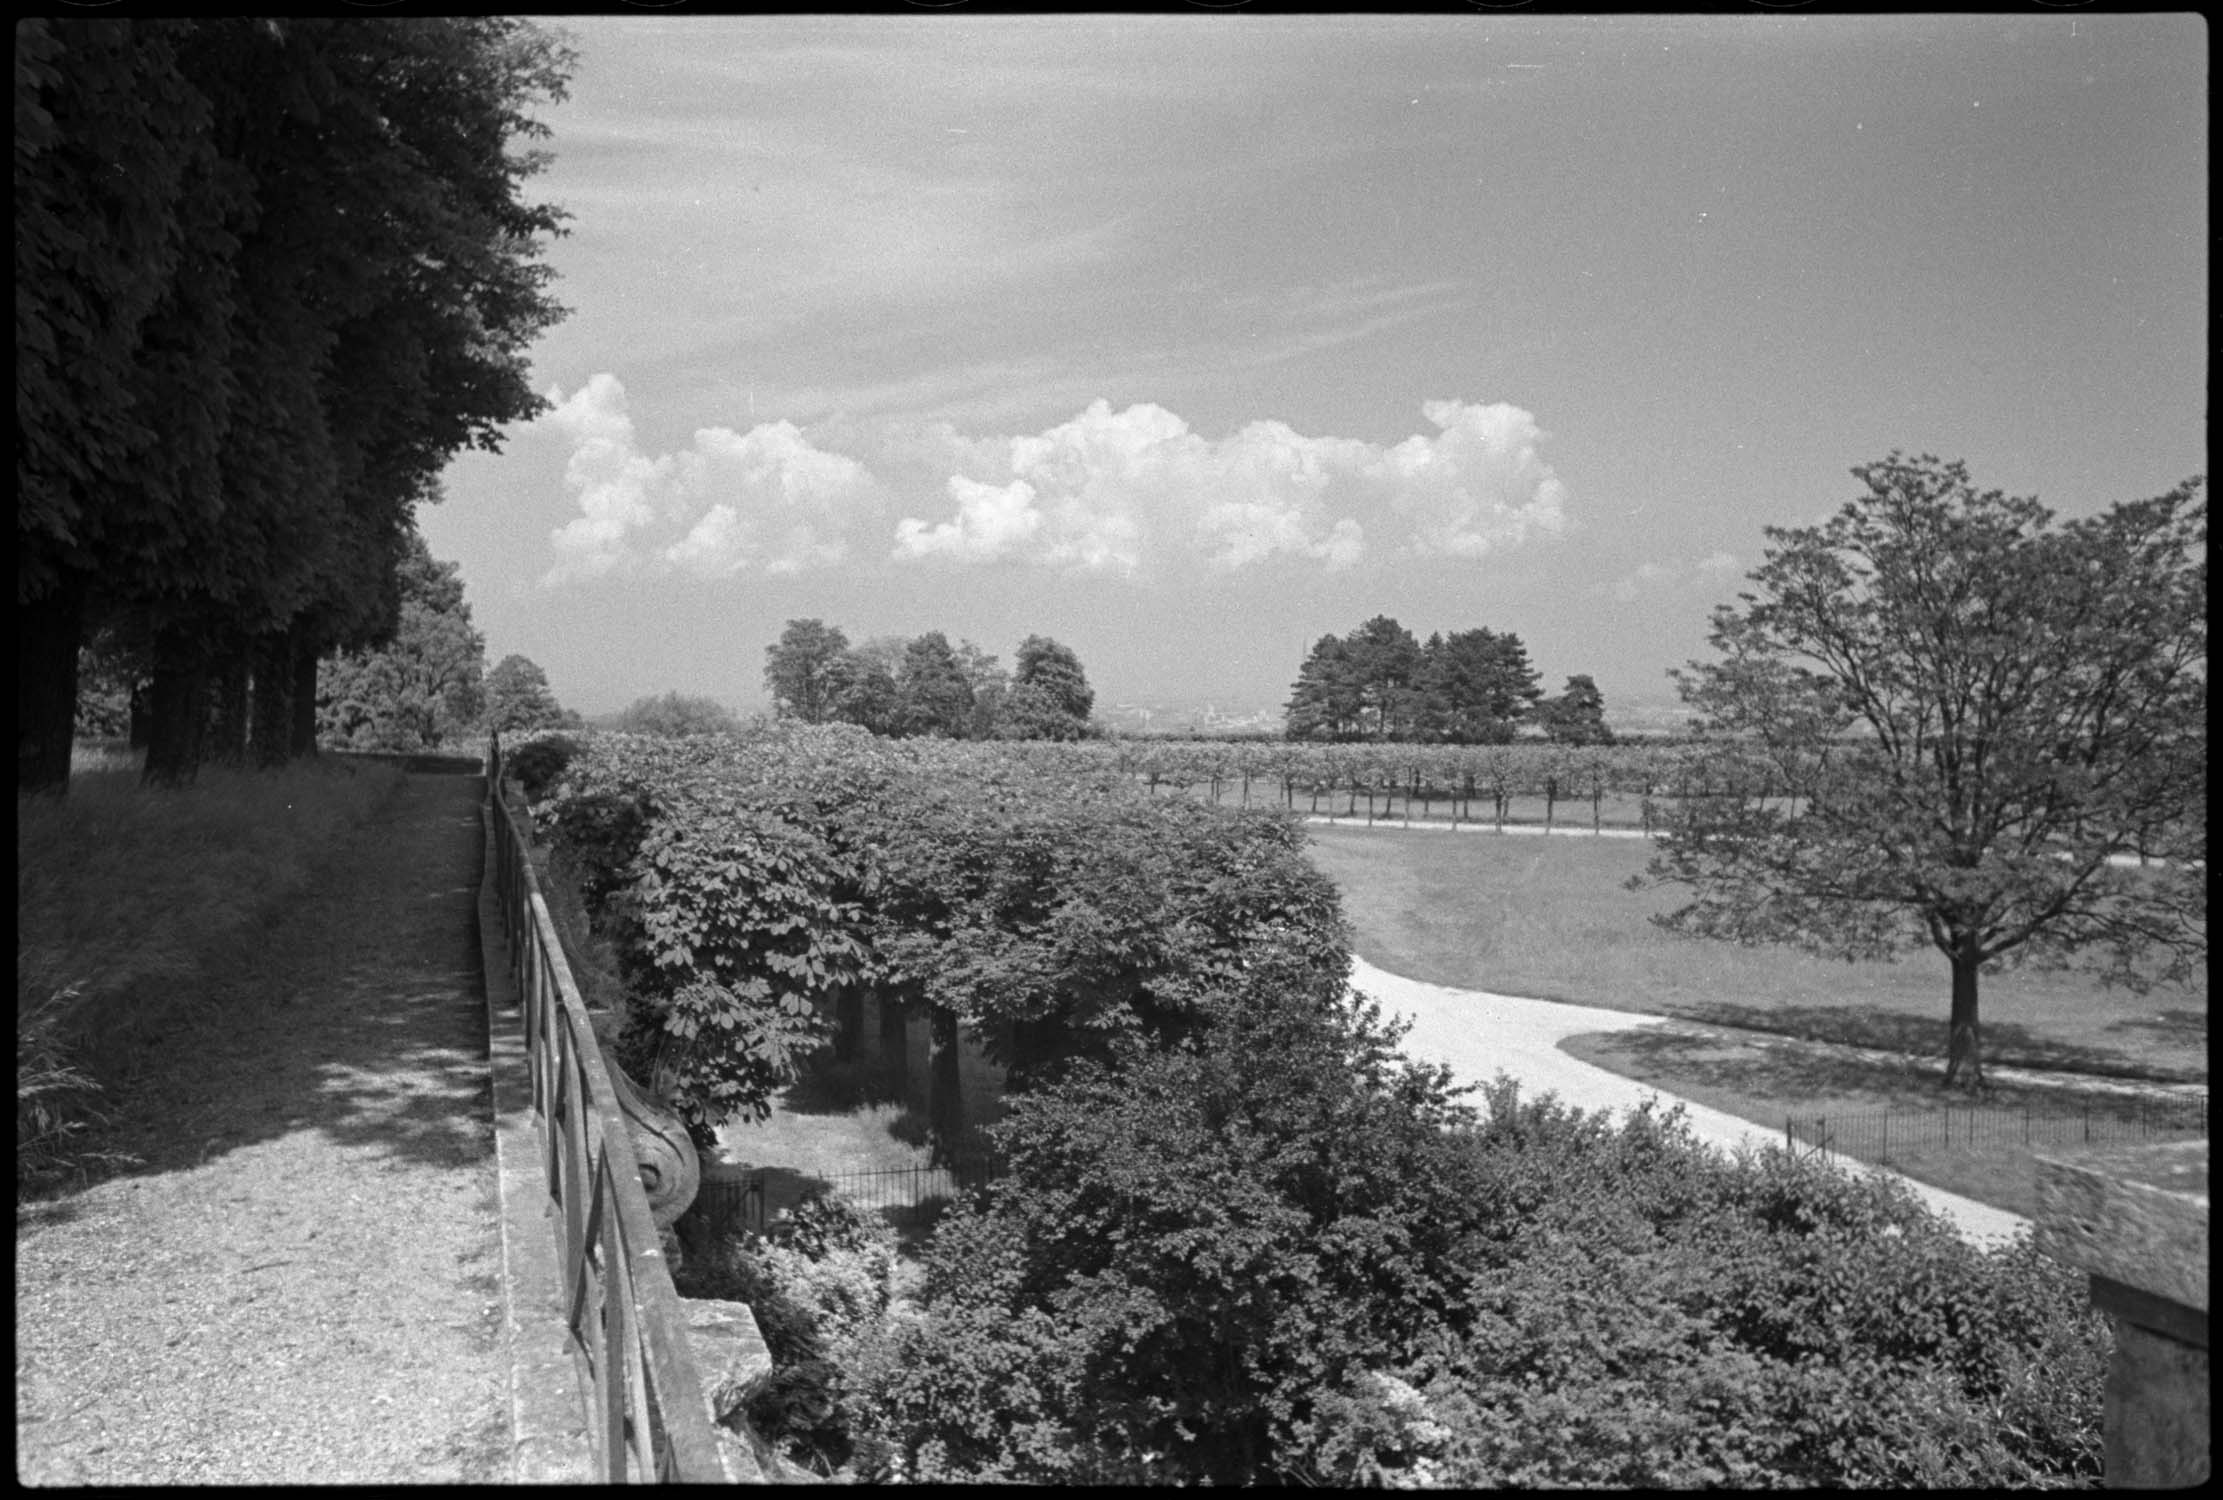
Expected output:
(1479, 484)
(991, 522)
(1108, 488)
(766, 498)
(1116, 492)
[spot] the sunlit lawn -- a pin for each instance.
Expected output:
(1551, 918)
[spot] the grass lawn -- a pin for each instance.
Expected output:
(1553, 919)
(1988, 1154)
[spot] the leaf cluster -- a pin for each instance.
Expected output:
(1238, 1262)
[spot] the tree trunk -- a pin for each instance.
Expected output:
(1963, 1050)
(227, 725)
(49, 631)
(945, 1100)
(303, 741)
(272, 731)
(848, 1021)
(178, 704)
(142, 715)
(895, 1046)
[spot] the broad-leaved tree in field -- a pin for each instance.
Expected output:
(1945, 718)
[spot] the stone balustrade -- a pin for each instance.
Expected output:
(2136, 1219)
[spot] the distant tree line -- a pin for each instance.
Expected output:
(925, 686)
(1472, 687)
(271, 276)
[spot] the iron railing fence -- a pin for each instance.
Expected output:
(649, 1419)
(1877, 1135)
(909, 1187)
(734, 1198)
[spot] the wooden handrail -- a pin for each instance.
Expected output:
(649, 1420)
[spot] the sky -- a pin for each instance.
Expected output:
(1187, 339)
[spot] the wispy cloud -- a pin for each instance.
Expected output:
(1121, 493)
(1656, 576)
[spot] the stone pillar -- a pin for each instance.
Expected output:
(2136, 1218)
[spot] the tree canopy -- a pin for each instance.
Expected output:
(1944, 718)
(517, 698)
(242, 363)
(1468, 688)
(1577, 715)
(423, 687)
(799, 669)
(924, 686)
(675, 715)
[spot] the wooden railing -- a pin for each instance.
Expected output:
(649, 1419)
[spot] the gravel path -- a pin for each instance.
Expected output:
(300, 1283)
(1478, 1035)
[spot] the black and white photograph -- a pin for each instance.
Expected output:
(1229, 744)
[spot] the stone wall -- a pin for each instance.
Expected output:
(2136, 1219)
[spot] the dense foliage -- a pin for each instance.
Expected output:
(1197, 1273)
(272, 275)
(926, 686)
(422, 688)
(2025, 701)
(676, 715)
(1472, 687)
(753, 880)
(516, 697)
(1238, 1238)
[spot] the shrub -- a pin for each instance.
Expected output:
(538, 764)
(819, 1282)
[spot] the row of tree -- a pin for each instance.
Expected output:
(1472, 687)
(426, 687)
(925, 686)
(271, 275)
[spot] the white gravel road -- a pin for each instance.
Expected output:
(1478, 1035)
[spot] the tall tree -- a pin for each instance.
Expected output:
(1476, 686)
(422, 687)
(315, 284)
(1384, 658)
(2026, 704)
(1050, 696)
(990, 683)
(798, 665)
(517, 698)
(861, 690)
(1325, 701)
(935, 696)
(1576, 716)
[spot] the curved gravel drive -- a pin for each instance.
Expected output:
(1478, 1035)
(300, 1283)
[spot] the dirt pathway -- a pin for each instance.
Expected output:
(300, 1282)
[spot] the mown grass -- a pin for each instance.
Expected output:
(1768, 1080)
(1551, 918)
(123, 893)
(1762, 1032)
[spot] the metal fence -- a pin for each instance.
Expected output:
(649, 1419)
(734, 1198)
(909, 1187)
(1876, 1135)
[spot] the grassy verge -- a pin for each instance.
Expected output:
(122, 894)
(1979, 1154)
(1552, 919)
